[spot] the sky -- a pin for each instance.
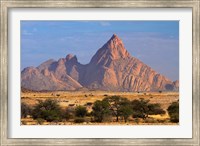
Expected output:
(156, 43)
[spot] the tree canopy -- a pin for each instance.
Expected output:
(142, 108)
(173, 111)
(101, 110)
(48, 110)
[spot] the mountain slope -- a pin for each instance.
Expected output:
(111, 68)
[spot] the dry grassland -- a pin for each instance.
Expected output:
(66, 98)
(74, 98)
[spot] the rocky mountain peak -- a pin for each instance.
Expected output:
(71, 57)
(114, 49)
(114, 36)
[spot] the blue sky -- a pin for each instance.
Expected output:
(156, 43)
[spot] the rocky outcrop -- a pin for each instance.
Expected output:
(111, 68)
(52, 75)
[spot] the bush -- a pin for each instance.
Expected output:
(69, 113)
(48, 110)
(142, 108)
(80, 111)
(173, 111)
(25, 110)
(40, 121)
(155, 109)
(100, 110)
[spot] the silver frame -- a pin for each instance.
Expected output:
(6, 4)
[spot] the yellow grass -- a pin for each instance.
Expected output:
(65, 98)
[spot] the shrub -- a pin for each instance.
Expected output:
(23, 122)
(142, 108)
(69, 113)
(80, 111)
(173, 111)
(89, 114)
(25, 110)
(48, 110)
(40, 121)
(155, 109)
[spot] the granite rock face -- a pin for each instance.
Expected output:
(111, 68)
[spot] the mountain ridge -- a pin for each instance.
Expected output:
(111, 68)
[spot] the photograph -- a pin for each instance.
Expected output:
(99, 72)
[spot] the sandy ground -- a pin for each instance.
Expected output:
(82, 97)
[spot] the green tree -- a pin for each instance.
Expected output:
(80, 111)
(115, 105)
(25, 110)
(100, 110)
(48, 110)
(125, 109)
(142, 108)
(173, 111)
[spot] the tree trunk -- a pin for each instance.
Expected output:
(117, 118)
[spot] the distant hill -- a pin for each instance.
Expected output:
(111, 68)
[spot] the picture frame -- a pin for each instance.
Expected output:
(4, 69)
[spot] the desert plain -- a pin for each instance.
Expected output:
(87, 98)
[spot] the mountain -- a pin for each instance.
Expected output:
(111, 68)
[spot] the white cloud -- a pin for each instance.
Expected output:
(105, 23)
(24, 32)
